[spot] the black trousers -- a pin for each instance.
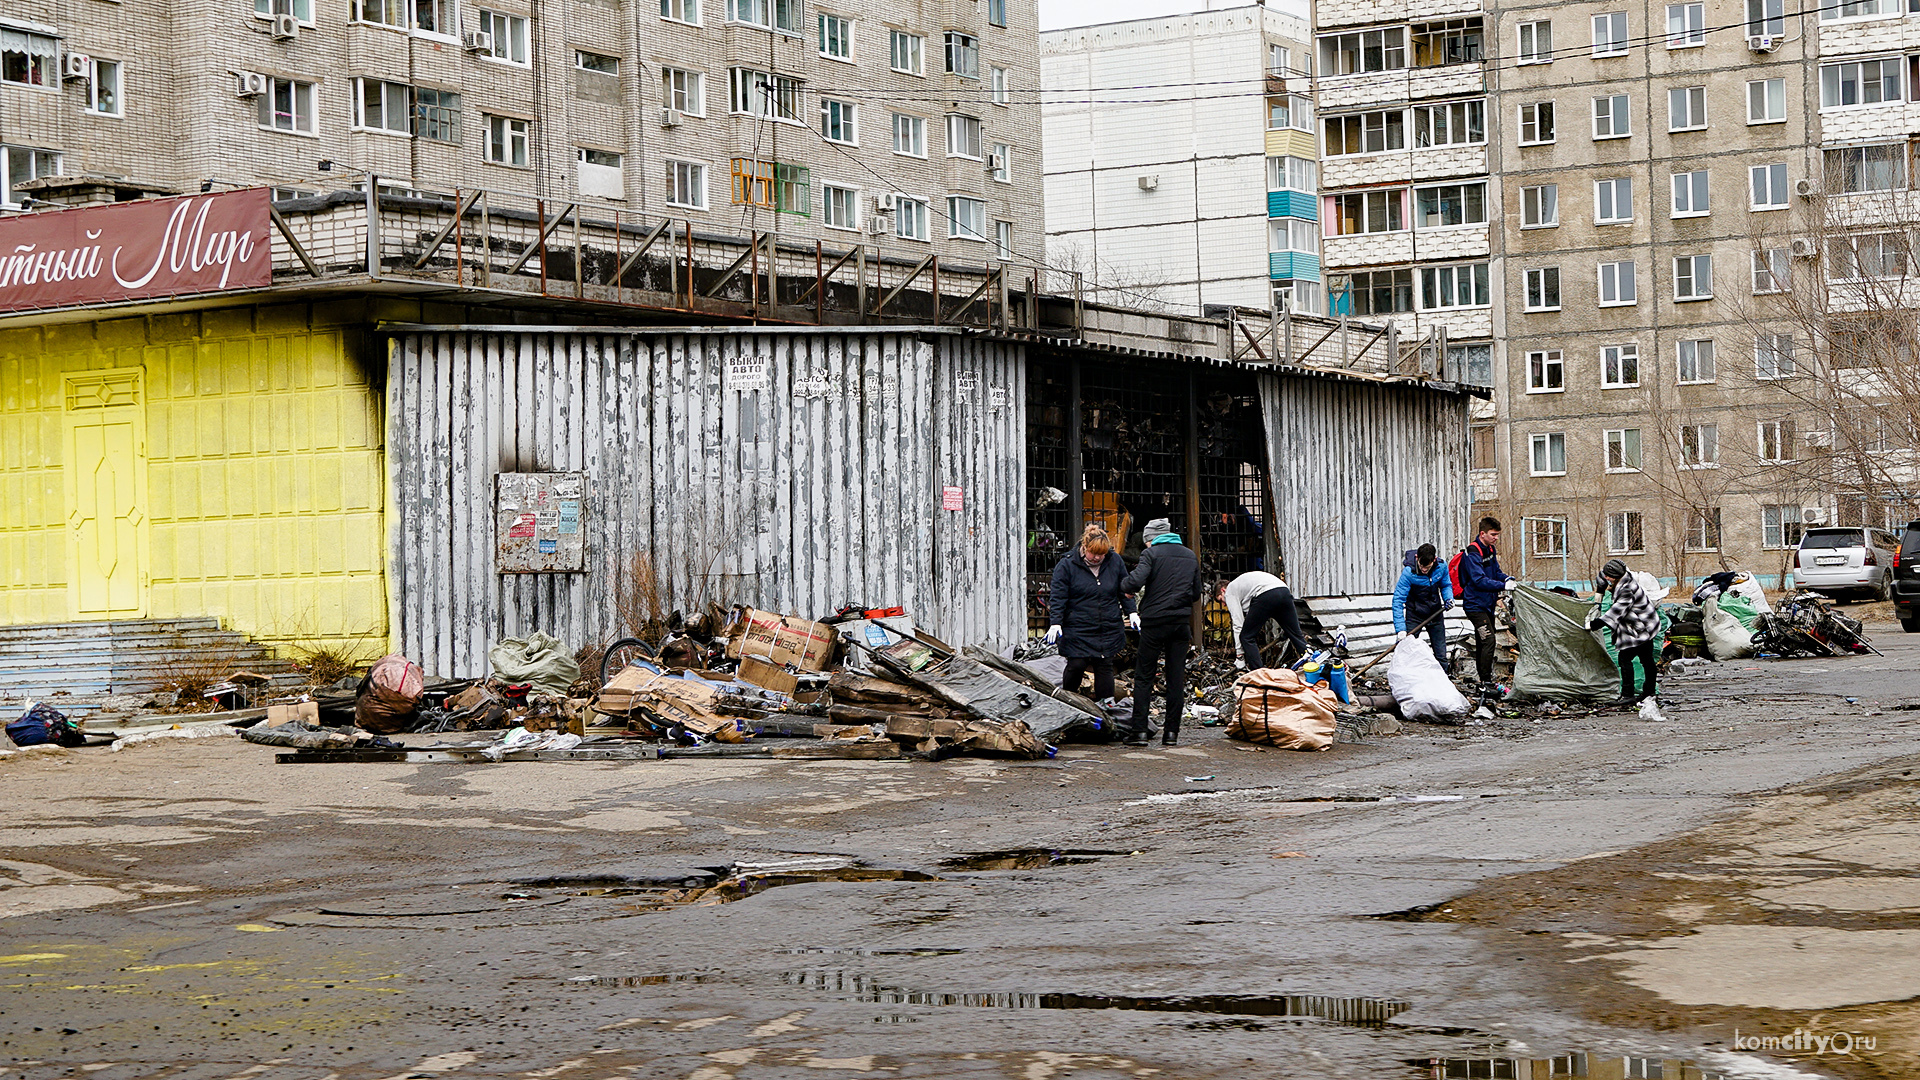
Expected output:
(1482, 643)
(1077, 668)
(1156, 640)
(1275, 603)
(1643, 653)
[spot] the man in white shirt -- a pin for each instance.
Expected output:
(1253, 599)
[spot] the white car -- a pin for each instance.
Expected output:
(1856, 561)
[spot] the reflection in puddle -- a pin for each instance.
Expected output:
(1590, 1066)
(639, 980)
(871, 952)
(1024, 859)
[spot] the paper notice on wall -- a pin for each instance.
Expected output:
(966, 387)
(812, 386)
(952, 498)
(540, 522)
(569, 517)
(749, 372)
(1000, 398)
(522, 527)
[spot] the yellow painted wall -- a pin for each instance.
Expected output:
(264, 499)
(1286, 142)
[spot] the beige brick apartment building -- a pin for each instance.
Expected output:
(914, 127)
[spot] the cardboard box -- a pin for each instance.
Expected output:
(307, 712)
(783, 640)
(768, 676)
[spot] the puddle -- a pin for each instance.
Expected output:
(1581, 1064)
(871, 952)
(1025, 858)
(640, 980)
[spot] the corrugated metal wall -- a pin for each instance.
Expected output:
(1362, 472)
(814, 485)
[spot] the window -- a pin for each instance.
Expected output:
(1703, 530)
(23, 164)
(506, 141)
(1458, 124)
(1867, 255)
(1853, 169)
(1610, 117)
(1000, 163)
(287, 106)
(1003, 239)
(1619, 366)
(793, 189)
(1766, 17)
(1546, 372)
(1616, 285)
(786, 17)
(1293, 111)
(384, 106)
(687, 185)
(436, 115)
(1366, 133)
(1610, 34)
(963, 55)
(1780, 526)
(1693, 277)
(997, 12)
(966, 218)
(1547, 536)
(1459, 286)
(381, 12)
(997, 84)
(684, 91)
(1454, 41)
(1378, 292)
(752, 183)
(1549, 454)
(1687, 108)
(1773, 356)
(754, 12)
(910, 219)
(1686, 25)
(963, 136)
(1776, 441)
(839, 207)
(756, 93)
(1690, 196)
(686, 11)
(1279, 60)
(1449, 205)
(909, 135)
(299, 9)
(837, 122)
(1481, 449)
(1471, 364)
(1367, 50)
(429, 17)
(1624, 535)
(1536, 43)
(1693, 359)
(1770, 270)
(903, 51)
(1769, 184)
(1699, 445)
(836, 37)
(599, 173)
(1854, 9)
(1540, 206)
(1366, 212)
(1623, 449)
(596, 62)
(1536, 123)
(1543, 289)
(1293, 234)
(1293, 174)
(509, 34)
(103, 89)
(1767, 101)
(1859, 82)
(1613, 201)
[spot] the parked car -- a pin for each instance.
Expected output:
(1906, 579)
(1849, 561)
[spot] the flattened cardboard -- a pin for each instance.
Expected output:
(307, 712)
(783, 640)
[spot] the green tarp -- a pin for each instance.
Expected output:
(1560, 658)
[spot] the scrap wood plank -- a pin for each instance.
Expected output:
(825, 749)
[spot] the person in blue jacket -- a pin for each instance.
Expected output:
(1422, 593)
(1481, 583)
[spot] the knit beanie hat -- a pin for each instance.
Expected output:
(1156, 528)
(1614, 569)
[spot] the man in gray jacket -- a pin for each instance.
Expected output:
(1166, 582)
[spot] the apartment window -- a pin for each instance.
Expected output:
(1693, 359)
(1540, 206)
(1773, 356)
(756, 93)
(1623, 449)
(1294, 111)
(1536, 123)
(1546, 372)
(1693, 277)
(1703, 530)
(1690, 195)
(686, 11)
(1780, 526)
(997, 84)
(506, 141)
(1766, 18)
(997, 12)
(1003, 239)
(599, 173)
(286, 106)
(1776, 441)
(909, 135)
(381, 12)
(1610, 117)
(1547, 537)
(1610, 34)
(837, 122)
(301, 10)
(1367, 50)
(1859, 82)
(1686, 25)
(1867, 255)
(1624, 534)
(597, 63)
(683, 91)
(1543, 289)
(1770, 270)
(836, 36)
(966, 218)
(1366, 212)
(903, 51)
(1687, 108)
(436, 115)
(1449, 205)
(384, 106)
(438, 17)
(1293, 234)
(1536, 42)
(1854, 169)
(1767, 101)
(1366, 133)
(1379, 292)
(103, 89)
(1293, 174)
(786, 17)
(1454, 41)
(1460, 123)
(509, 36)
(1459, 286)
(1613, 200)
(963, 55)
(839, 207)
(1699, 445)
(1856, 9)
(1000, 163)
(1549, 454)
(1769, 184)
(752, 183)
(963, 136)
(793, 189)
(753, 12)
(911, 218)
(1619, 366)
(1481, 452)
(1616, 285)
(22, 164)
(687, 185)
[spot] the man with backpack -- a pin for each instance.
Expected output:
(1422, 593)
(1478, 576)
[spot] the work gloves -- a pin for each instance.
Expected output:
(1399, 636)
(1053, 635)
(1133, 620)
(1239, 665)
(1447, 606)
(1512, 584)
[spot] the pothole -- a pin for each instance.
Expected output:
(1025, 858)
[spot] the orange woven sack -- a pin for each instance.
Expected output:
(1275, 708)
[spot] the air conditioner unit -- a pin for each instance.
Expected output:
(995, 163)
(1818, 438)
(1804, 247)
(884, 204)
(879, 226)
(1149, 183)
(670, 117)
(76, 66)
(249, 84)
(1807, 188)
(1813, 515)
(285, 27)
(477, 41)
(1762, 42)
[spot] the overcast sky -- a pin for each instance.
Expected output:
(1055, 14)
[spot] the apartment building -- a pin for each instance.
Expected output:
(1180, 163)
(914, 128)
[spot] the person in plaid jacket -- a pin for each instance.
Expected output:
(1634, 622)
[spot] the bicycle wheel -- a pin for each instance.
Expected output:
(620, 654)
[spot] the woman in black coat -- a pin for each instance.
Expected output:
(1088, 611)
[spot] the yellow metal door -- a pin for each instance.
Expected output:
(107, 493)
